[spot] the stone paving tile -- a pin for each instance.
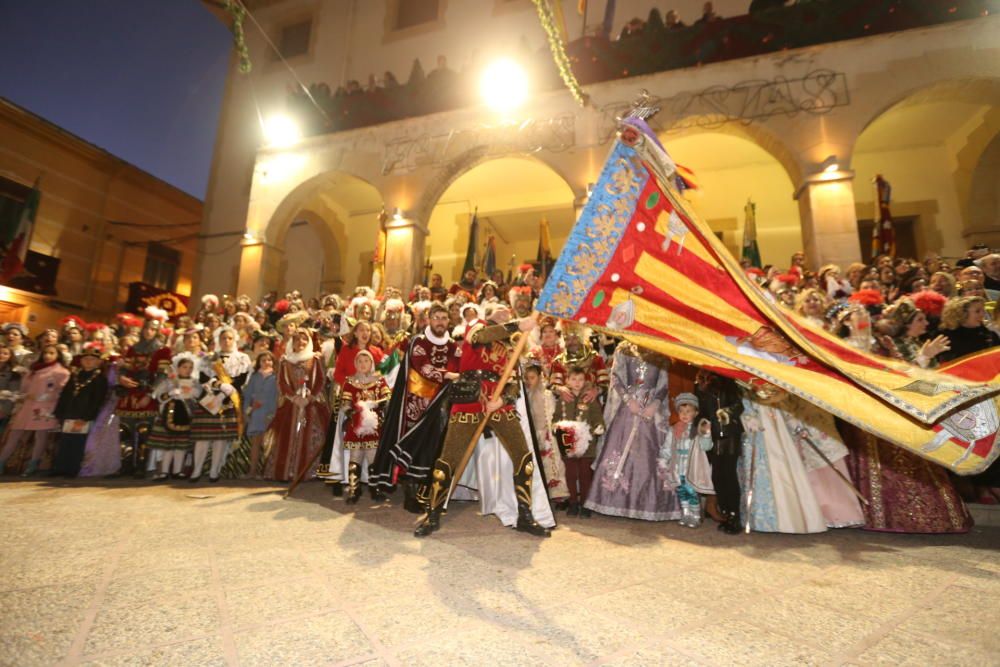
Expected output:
(37, 625)
(327, 638)
(160, 620)
(907, 650)
(299, 597)
(202, 652)
(735, 642)
(964, 616)
(309, 580)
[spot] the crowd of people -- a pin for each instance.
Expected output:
(386, 392)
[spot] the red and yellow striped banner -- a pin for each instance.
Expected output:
(640, 262)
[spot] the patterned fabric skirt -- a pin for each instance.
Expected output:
(161, 438)
(206, 426)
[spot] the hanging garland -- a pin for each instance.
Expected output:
(548, 21)
(238, 13)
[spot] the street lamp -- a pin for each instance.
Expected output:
(504, 85)
(281, 131)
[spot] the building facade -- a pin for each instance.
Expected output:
(796, 111)
(102, 224)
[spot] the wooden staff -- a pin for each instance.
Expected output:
(508, 370)
(802, 433)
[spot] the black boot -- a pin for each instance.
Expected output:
(522, 489)
(353, 482)
(373, 490)
(441, 478)
(337, 489)
(731, 526)
(411, 499)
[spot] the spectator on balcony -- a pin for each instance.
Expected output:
(632, 30)
(758, 6)
(672, 22)
(708, 14)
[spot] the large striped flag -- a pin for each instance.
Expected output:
(640, 263)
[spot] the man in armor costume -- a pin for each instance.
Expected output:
(484, 356)
(579, 354)
(406, 453)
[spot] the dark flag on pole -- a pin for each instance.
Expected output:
(470, 255)
(545, 261)
(490, 257)
(883, 234)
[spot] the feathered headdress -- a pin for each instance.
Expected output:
(156, 314)
(210, 300)
(930, 302)
(72, 322)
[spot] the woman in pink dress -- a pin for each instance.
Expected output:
(34, 417)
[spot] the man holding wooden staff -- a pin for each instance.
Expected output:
(484, 359)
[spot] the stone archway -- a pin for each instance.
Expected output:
(984, 198)
(733, 163)
(512, 193)
(929, 144)
(341, 210)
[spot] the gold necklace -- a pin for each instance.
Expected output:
(78, 386)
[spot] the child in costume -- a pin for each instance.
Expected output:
(365, 394)
(41, 389)
(260, 399)
(541, 406)
(577, 425)
(79, 404)
(177, 395)
(683, 464)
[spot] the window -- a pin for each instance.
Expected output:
(411, 13)
(294, 39)
(12, 198)
(162, 266)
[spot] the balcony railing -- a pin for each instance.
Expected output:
(652, 48)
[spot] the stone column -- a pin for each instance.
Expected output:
(829, 221)
(260, 269)
(404, 253)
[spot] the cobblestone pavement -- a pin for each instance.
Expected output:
(134, 573)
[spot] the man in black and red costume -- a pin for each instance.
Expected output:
(417, 413)
(483, 359)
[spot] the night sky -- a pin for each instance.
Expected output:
(142, 79)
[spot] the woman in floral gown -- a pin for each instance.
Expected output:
(637, 412)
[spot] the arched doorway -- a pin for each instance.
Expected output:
(929, 146)
(326, 230)
(512, 195)
(731, 167)
(984, 198)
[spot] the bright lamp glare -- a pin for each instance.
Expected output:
(504, 85)
(281, 131)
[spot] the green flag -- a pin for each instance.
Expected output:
(751, 253)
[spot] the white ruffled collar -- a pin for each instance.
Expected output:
(437, 340)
